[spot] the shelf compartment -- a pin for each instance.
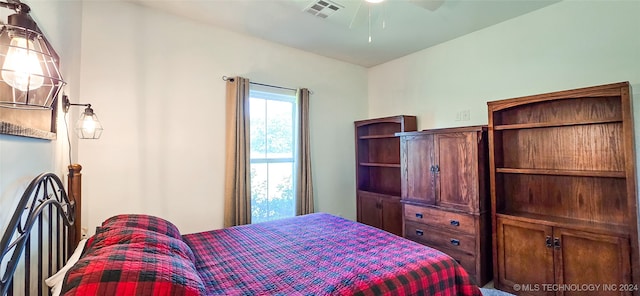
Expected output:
(605, 174)
(367, 128)
(571, 148)
(555, 124)
(584, 225)
(380, 179)
(602, 200)
(579, 110)
(379, 150)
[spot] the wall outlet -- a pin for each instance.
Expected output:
(466, 115)
(463, 115)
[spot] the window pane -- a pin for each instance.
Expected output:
(279, 129)
(281, 200)
(259, 200)
(271, 191)
(257, 127)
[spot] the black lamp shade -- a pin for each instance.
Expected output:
(29, 70)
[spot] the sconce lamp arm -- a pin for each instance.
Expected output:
(66, 104)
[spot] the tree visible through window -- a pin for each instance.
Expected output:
(272, 126)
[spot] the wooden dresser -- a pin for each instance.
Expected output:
(445, 194)
(563, 192)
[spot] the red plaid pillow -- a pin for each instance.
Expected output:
(140, 239)
(146, 222)
(133, 261)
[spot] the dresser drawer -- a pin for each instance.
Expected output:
(467, 261)
(440, 238)
(440, 218)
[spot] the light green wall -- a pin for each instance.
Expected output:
(566, 45)
(155, 82)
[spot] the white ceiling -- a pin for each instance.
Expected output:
(344, 35)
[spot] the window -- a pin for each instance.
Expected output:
(272, 126)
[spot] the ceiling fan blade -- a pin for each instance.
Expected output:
(360, 16)
(428, 4)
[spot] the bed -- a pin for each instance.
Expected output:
(315, 254)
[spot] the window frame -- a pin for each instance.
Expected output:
(273, 94)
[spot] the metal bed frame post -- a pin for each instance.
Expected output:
(46, 228)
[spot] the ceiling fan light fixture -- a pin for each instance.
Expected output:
(374, 1)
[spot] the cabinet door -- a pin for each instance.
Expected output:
(588, 258)
(391, 215)
(524, 258)
(368, 210)
(457, 173)
(417, 162)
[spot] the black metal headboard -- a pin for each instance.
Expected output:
(43, 221)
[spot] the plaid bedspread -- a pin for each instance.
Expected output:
(321, 254)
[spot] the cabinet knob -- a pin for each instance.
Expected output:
(548, 242)
(455, 223)
(419, 215)
(556, 243)
(455, 242)
(419, 232)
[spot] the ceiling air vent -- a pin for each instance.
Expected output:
(323, 8)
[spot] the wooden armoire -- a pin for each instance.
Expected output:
(378, 171)
(563, 192)
(445, 193)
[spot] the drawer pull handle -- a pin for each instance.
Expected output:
(419, 215)
(455, 242)
(419, 232)
(455, 223)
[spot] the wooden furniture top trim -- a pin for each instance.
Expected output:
(474, 128)
(389, 119)
(613, 89)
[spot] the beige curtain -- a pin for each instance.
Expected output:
(304, 184)
(237, 185)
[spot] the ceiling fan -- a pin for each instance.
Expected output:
(368, 11)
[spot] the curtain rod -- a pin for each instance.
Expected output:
(225, 78)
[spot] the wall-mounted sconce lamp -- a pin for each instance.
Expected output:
(88, 126)
(30, 78)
